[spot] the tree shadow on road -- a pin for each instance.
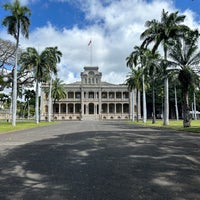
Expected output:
(115, 165)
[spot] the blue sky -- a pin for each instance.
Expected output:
(113, 25)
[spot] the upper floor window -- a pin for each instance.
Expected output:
(125, 95)
(104, 95)
(91, 95)
(118, 95)
(78, 95)
(70, 95)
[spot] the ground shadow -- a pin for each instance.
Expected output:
(115, 165)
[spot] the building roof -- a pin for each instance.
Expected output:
(104, 83)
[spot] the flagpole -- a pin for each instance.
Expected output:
(90, 45)
(91, 54)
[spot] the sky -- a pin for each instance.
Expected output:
(113, 26)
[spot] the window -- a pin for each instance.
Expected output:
(70, 95)
(111, 95)
(78, 95)
(91, 95)
(104, 95)
(118, 95)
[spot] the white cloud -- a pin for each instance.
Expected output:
(115, 30)
(24, 2)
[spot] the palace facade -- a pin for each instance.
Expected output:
(91, 99)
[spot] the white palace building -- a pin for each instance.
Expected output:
(91, 99)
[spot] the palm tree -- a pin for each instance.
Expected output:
(135, 58)
(153, 72)
(134, 80)
(164, 32)
(54, 57)
(58, 91)
(28, 95)
(18, 22)
(38, 64)
(186, 57)
(174, 79)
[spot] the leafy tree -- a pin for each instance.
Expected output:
(42, 66)
(53, 55)
(137, 58)
(164, 32)
(29, 95)
(7, 53)
(174, 80)
(58, 91)
(4, 100)
(186, 57)
(36, 64)
(153, 72)
(16, 23)
(134, 80)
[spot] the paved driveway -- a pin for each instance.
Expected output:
(99, 160)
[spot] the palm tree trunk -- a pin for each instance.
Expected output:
(176, 104)
(37, 103)
(154, 106)
(144, 101)
(28, 110)
(195, 107)
(166, 91)
(10, 111)
(14, 90)
(186, 110)
(133, 105)
(166, 102)
(49, 102)
(137, 105)
(54, 105)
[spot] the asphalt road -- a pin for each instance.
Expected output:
(99, 160)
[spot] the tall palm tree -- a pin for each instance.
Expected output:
(18, 22)
(136, 58)
(38, 64)
(153, 72)
(186, 57)
(134, 80)
(28, 95)
(54, 57)
(174, 79)
(164, 32)
(58, 91)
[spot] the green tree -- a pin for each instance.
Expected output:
(4, 101)
(28, 96)
(38, 65)
(186, 57)
(58, 91)
(164, 32)
(153, 72)
(53, 55)
(134, 80)
(137, 58)
(18, 22)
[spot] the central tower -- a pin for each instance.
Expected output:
(91, 75)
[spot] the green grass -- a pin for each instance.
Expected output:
(7, 127)
(173, 124)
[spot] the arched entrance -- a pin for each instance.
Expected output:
(91, 108)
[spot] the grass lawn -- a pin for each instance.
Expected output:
(7, 126)
(173, 124)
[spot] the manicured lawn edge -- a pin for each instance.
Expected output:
(6, 127)
(173, 124)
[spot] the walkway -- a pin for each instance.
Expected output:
(99, 160)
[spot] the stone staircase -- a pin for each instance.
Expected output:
(90, 117)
